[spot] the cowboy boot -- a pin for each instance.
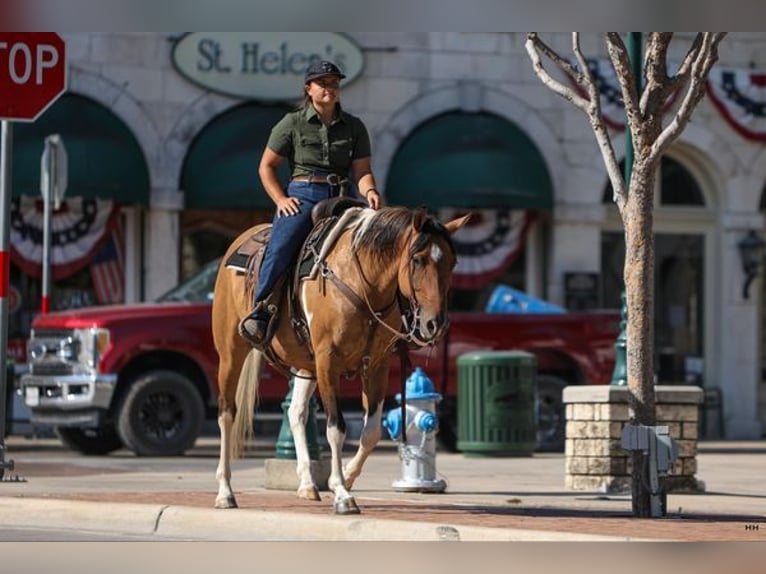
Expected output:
(255, 326)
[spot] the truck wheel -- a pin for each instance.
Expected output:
(161, 414)
(551, 417)
(90, 441)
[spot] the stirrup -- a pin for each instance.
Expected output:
(254, 328)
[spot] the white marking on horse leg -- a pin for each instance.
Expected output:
(344, 502)
(367, 442)
(225, 498)
(303, 388)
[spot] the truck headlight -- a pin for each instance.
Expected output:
(93, 343)
(69, 349)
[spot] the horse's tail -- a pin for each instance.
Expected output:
(246, 399)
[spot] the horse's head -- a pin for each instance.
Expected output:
(424, 276)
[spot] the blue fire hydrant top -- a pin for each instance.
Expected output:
(419, 387)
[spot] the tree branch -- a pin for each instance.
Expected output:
(591, 106)
(618, 54)
(706, 54)
(656, 90)
(534, 46)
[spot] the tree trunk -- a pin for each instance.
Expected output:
(639, 294)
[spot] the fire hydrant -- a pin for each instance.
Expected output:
(418, 455)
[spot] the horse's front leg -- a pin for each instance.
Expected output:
(303, 387)
(336, 436)
(372, 399)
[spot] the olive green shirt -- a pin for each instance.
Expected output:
(313, 148)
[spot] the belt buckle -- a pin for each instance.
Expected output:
(333, 179)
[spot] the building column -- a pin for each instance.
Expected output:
(576, 244)
(738, 374)
(162, 240)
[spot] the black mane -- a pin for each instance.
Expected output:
(381, 235)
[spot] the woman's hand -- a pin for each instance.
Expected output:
(287, 206)
(373, 198)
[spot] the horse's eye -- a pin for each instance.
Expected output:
(419, 261)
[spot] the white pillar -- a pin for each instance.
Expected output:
(738, 373)
(161, 248)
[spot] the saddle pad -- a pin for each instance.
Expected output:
(241, 257)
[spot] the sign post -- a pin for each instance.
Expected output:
(32, 76)
(53, 182)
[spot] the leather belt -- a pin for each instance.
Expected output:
(332, 178)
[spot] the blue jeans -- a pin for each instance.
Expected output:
(288, 234)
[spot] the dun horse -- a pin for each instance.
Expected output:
(385, 278)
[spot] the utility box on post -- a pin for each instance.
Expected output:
(661, 451)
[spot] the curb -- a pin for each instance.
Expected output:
(239, 525)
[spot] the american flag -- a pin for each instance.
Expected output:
(107, 271)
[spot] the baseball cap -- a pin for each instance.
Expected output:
(322, 68)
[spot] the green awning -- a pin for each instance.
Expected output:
(105, 160)
(221, 168)
(469, 160)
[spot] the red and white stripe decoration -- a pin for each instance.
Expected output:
(78, 231)
(487, 245)
(740, 96)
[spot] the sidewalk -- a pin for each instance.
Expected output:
(511, 499)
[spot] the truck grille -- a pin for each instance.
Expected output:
(51, 368)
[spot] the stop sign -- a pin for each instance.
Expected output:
(32, 73)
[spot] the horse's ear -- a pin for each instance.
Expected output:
(456, 224)
(418, 219)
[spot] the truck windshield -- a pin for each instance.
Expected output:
(196, 289)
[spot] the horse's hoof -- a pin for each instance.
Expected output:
(227, 502)
(309, 493)
(346, 506)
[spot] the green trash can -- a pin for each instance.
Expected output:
(496, 403)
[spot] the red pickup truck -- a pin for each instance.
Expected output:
(149, 370)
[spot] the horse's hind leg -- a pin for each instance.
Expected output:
(229, 370)
(303, 387)
(225, 497)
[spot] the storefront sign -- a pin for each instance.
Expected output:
(266, 66)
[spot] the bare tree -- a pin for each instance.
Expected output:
(651, 137)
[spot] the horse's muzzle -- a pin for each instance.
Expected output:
(428, 332)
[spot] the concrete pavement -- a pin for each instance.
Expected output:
(502, 499)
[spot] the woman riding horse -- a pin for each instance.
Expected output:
(385, 279)
(323, 143)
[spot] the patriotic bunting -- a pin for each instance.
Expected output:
(612, 106)
(78, 231)
(740, 97)
(487, 245)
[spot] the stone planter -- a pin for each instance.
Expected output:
(595, 416)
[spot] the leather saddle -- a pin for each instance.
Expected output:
(248, 256)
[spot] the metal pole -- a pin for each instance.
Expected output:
(6, 158)
(47, 210)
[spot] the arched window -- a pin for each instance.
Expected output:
(677, 186)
